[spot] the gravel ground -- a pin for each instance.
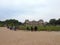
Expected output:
(9, 37)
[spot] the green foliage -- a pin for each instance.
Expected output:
(22, 27)
(32, 28)
(28, 28)
(40, 28)
(1, 24)
(12, 22)
(58, 22)
(53, 25)
(35, 28)
(49, 28)
(52, 21)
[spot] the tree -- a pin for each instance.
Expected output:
(52, 21)
(12, 22)
(31, 28)
(2, 23)
(27, 28)
(58, 22)
(35, 28)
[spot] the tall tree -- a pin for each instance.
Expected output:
(1, 23)
(12, 22)
(52, 21)
(58, 22)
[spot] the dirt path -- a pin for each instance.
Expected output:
(8, 37)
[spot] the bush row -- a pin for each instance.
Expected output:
(40, 28)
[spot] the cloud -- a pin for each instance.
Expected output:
(29, 9)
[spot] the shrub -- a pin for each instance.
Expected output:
(32, 28)
(28, 28)
(35, 28)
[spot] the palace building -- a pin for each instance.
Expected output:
(40, 22)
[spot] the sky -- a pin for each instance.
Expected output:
(29, 9)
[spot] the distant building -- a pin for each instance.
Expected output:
(40, 22)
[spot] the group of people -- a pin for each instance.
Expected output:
(12, 27)
(15, 28)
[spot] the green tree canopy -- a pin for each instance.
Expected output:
(12, 22)
(52, 21)
(58, 22)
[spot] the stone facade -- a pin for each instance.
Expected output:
(40, 22)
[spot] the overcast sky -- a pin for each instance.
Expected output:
(29, 9)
